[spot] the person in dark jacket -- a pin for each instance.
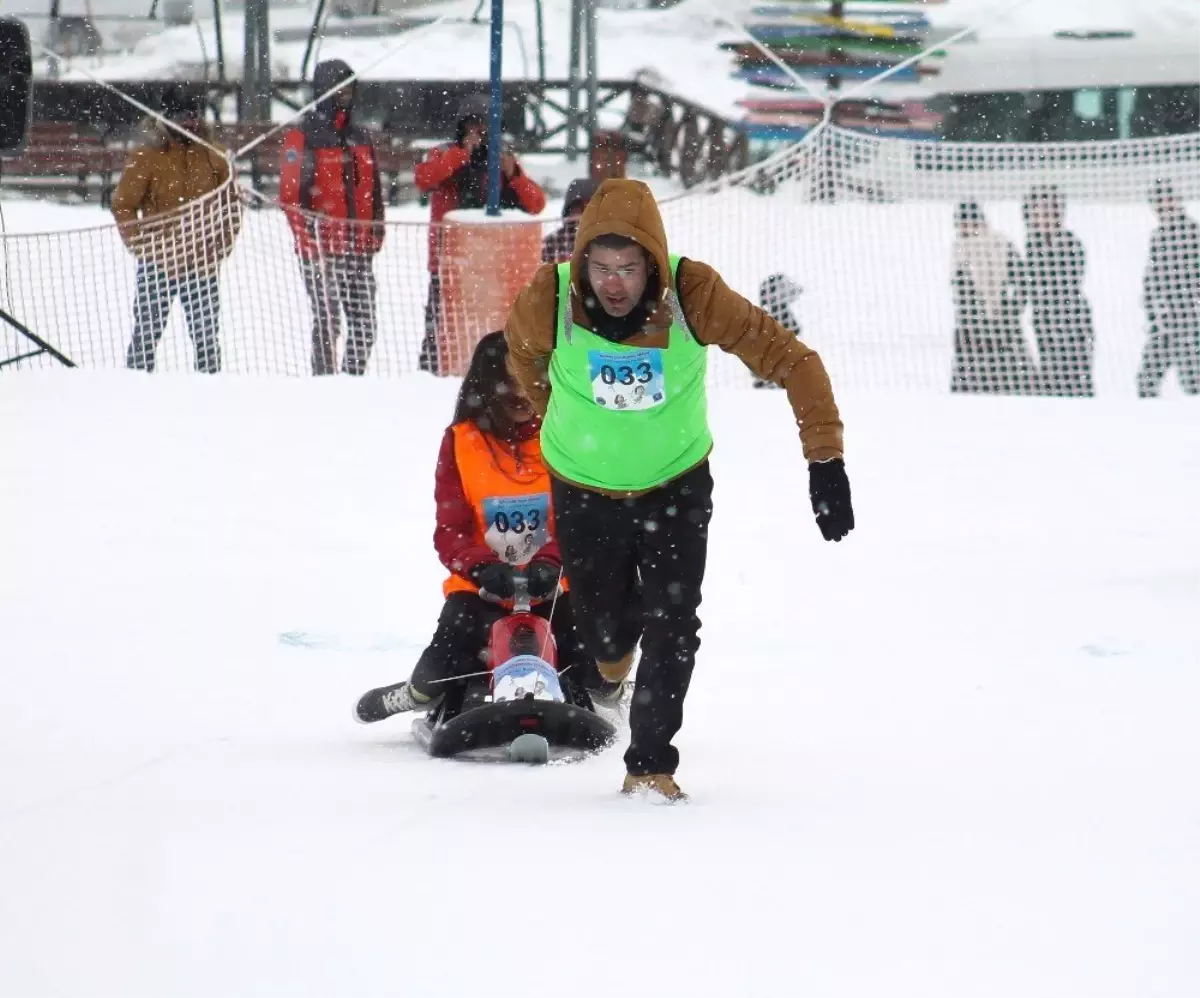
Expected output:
(560, 244)
(1171, 297)
(330, 188)
(456, 176)
(1053, 281)
(775, 297)
(494, 519)
(989, 347)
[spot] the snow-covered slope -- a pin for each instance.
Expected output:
(951, 756)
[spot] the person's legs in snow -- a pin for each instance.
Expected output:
(598, 538)
(151, 308)
(672, 553)
(359, 306)
(457, 649)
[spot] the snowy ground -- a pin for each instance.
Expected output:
(950, 757)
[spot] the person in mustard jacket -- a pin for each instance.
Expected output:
(611, 349)
(494, 519)
(178, 214)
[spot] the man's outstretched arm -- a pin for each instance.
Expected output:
(721, 317)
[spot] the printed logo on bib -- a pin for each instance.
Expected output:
(523, 675)
(517, 526)
(629, 380)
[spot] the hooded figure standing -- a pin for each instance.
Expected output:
(178, 214)
(612, 348)
(457, 177)
(1055, 262)
(1171, 297)
(989, 347)
(330, 189)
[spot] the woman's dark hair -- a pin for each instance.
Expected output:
(487, 390)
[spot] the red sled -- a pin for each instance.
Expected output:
(521, 709)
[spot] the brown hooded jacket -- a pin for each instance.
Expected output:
(716, 315)
(174, 207)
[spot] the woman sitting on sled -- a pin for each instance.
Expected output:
(494, 526)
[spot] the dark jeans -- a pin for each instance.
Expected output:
(201, 301)
(428, 359)
(660, 537)
(1066, 349)
(461, 639)
(1174, 339)
(338, 285)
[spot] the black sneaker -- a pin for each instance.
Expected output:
(381, 703)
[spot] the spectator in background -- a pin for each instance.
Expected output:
(560, 244)
(330, 189)
(1053, 282)
(179, 249)
(775, 297)
(1171, 296)
(989, 348)
(457, 177)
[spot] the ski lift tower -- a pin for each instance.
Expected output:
(256, 64)
(582, 56)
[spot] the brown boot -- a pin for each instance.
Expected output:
(614, 672)
(659, 783)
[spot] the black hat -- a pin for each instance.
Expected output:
(179, 103)
(473, 110)
(579, 193)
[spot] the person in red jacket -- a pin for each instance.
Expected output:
(494, 518)
(330, 189)
(457, 176)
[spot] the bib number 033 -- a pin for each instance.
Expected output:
(630, 380)
(517, 527)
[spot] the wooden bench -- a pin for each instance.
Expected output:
(68, 159)
(65, 158)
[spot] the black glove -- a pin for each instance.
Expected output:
(829, 490)
(495, 578)
(543, 578)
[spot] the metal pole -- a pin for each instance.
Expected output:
(315, 30)
(220, 41)
(541, 41)
(264, 60)
(496, 118)
(573, 81)
(249, 106)
(592, 102)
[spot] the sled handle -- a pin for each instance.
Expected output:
(522, 602)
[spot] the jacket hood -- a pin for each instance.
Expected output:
(327, 75)
(579, 193)
(624, 208)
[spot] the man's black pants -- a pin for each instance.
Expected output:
(337, 285)
(661, 539)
